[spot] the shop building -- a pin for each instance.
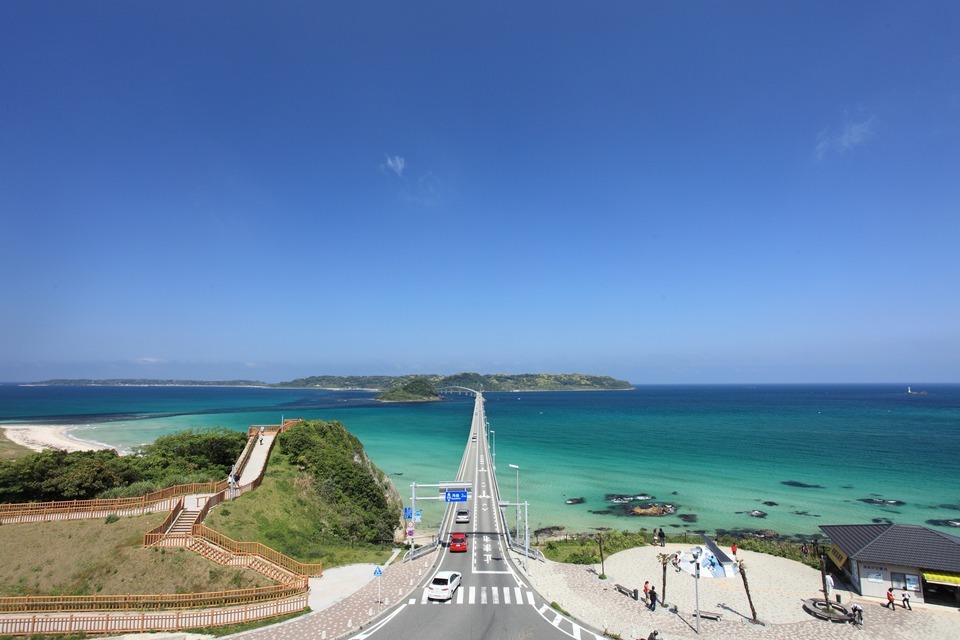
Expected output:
(875, 557)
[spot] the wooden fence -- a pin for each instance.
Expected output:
(78, 509)
(151, 601)
(132, 622)
(256, 549)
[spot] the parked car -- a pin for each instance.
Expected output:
(463, 516)
(458, 542)
(443, 585)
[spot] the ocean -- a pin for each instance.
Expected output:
(785, 458)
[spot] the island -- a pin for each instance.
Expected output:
(387, 384)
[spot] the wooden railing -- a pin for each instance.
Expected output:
(148, 621)
(156, 534)
(256, 549)
(151, 601)
(76, 509)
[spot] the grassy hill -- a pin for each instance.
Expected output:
(321, 500)
(93, 557)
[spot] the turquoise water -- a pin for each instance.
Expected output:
(715, 452)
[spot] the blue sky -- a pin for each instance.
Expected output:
(660, 191)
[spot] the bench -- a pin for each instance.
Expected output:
(708, 615)
(632, 593)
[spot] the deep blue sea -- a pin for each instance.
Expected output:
(804, 455)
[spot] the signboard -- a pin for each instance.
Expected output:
(416, 517)
(838, 556)
(378, 572)
(455, 496)
(408, 513)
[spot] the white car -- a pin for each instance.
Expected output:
(443, 585)
(463, 516)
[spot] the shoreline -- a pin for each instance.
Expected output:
(39, 437)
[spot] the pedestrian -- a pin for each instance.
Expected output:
(676, 560)
(891, 601)
(733, 548)
(646, 591)
(857, 613)
(906, 600)
(662, 537)
(261, 439)
(653, 599)
(829, 584)
(654, 635)
(804, 549)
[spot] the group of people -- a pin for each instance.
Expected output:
(659, 537)
(650, 595)
(892, 600)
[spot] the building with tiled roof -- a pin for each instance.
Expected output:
(876, 557)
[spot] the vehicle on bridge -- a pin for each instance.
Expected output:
(443, 585)
(458, 542)
(463, 516)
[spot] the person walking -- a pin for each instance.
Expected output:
(653, 599)
(654, 635)
(663, 537)
(906, 600)
(733, 548)
(804, 549)
(891, 600)
(646, 591)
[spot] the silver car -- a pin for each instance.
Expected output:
(443, 585)
(463, 516)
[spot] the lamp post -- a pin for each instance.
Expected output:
(696, 577)
(513, 466)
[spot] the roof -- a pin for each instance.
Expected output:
(901, 544)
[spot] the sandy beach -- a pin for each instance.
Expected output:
(43, 437)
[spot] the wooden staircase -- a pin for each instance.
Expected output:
(183, 525)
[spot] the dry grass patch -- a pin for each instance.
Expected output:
(91, 557)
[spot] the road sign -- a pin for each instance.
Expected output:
(407, 513)
(455, 496)
(416, 517)
(378, 572)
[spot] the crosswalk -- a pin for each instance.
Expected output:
(482, 596)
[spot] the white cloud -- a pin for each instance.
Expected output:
(150, 361)
(851, 136)
(395, 164)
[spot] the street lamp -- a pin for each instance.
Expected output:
(696, 577)
(513, 466)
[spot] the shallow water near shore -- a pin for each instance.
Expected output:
(804, 455)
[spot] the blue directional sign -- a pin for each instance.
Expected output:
(455, 496)
(407, 513)
(378, 572)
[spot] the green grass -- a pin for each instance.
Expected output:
(285, 514)
(10, 450)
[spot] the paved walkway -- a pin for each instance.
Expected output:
(258, 458)
(778, 587)
(345, 613)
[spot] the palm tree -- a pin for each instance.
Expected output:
(746, 587)
(664, 559)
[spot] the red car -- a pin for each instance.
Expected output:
(458, 542)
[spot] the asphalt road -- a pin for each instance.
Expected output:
(494, 601)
